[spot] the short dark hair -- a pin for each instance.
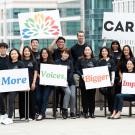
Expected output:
(34, 39)
(5, 45)
(80, 32)
(61, 38)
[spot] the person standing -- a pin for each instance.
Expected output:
(88, 96)
(4, 62)
(105, 60)
(14, 63)
(115, 54)
(45, 90)
(56, 48)
(28, 98)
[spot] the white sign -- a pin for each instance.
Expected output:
(14, 80)
(96, 77)
(128, 83)
(119, 26)
(55, 75)
(40, 25)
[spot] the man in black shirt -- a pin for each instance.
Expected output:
(56, 54)
(4, 62)
(77, 51)
(35, 49)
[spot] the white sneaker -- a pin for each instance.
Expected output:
(2, 117)
(7, 121)
(40, 117)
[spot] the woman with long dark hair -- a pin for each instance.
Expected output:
(14, 63)
(88, 96)
(118, 104)
(45, 91)
(105, 60)
(115, 53)
(125, 56)
(28, 98)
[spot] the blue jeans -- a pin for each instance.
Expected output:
(45, 93)
(118, 104)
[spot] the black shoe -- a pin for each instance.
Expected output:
(92, 115)
(64, 113)
(72, 115)
(86, 116)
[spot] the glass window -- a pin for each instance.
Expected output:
(70, 28)
(16, 11)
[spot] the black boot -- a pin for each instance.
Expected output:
(92, 115)
(64, 113)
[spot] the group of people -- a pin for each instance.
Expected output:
(33, 103)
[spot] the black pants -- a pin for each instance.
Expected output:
(88, 98)
(59, 97)
(2, 103)
(117, 86)
(108, 92)
(24, 99)
(11, 103)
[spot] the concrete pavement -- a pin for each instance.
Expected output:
(79, 126)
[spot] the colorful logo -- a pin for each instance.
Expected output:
(40, 24)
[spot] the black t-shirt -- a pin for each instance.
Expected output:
(36, 55)
(16, 65)
(70, 70)
(32, 66)
(110, 63)
(56, 54)
(4, 62)
(77, 52)
(85, 63)
(116, 57)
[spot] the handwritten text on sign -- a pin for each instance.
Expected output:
(11, 80)
(96, 77)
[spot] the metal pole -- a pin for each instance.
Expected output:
(82, 11)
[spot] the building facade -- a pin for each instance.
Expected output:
(94, 10)
(9, 26)
(125, 6)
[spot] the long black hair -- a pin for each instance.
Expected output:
(116, 43)
(14, 49)
(31, 53)
(100, 53)
(49, 59)
(130, 53)
(92, 55)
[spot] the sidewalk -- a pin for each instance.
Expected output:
(79, 126)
